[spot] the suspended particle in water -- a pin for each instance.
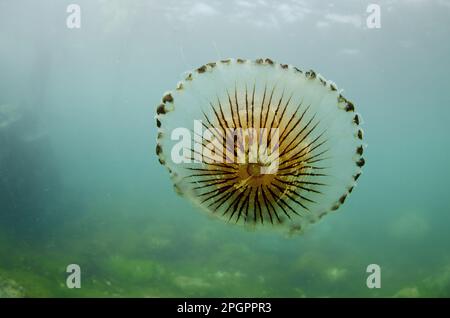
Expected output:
(268, 145)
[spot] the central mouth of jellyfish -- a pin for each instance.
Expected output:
(254, 169)
(252, 174)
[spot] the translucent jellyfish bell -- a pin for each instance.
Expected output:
(211, 130)
(9, 114)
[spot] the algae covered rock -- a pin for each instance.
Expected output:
(10, 289)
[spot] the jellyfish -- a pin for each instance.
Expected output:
(259, 143)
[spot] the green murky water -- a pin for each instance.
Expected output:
(80, 184)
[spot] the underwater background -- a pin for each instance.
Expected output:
(80, 182)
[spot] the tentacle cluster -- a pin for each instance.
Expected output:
(240, 191)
